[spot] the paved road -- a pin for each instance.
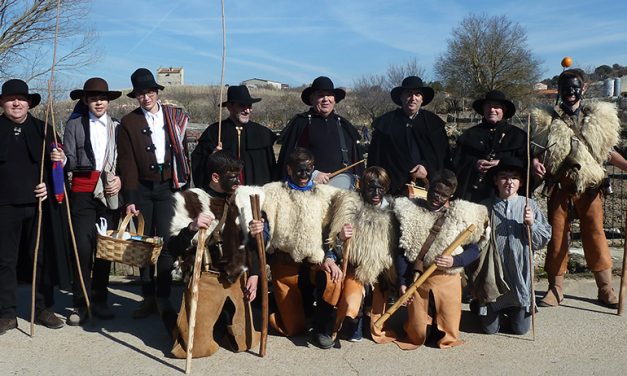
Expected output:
(578, 338)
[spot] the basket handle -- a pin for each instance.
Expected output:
(127, 220)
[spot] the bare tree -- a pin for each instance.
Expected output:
(27, 31)
(486, 53)
(371, 97)
(397, 72)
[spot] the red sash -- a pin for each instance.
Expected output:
(85, 181)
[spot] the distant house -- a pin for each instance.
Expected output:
(539, 86)
(258, 82)
(170, 76)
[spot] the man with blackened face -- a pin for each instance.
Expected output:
(300, 171)
(576, 137)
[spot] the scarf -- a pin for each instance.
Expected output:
(108, 167)
(308, 187)
(176, 121)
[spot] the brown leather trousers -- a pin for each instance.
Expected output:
(213, 293)
(350, 299)
(589, 208)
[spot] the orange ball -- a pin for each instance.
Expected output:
(567, 61)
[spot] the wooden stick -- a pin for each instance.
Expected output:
(529, 235)
(411, 290)
(334, 174)
(222, 76)
(200, 250)
(345, 251)
(623, 278)
(261, 249)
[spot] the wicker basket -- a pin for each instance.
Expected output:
(129, 252)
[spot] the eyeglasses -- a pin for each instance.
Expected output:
(148, 94)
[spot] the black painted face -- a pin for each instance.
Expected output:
(438, 196)
(571, 91)
(301, 172)
(229, 181)
(373, 192)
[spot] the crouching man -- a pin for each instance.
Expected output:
(229, 270)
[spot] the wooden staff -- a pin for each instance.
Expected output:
(623, 280)
(334, 174)
(222, 76)
(261, 248)
(411, 290)
(200, 250)
(345, 251)
(531, 267)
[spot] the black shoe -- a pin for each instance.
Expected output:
(146, 308)
(102, 311)
(324, 341)
(7, 324)
(77, 317)
(48, 319)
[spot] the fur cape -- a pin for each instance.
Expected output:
(600, 129)
(297, 219)
(187, 206)
(375, 235)
(416, 222)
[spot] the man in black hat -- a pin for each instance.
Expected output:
(332, 139)
(90, 145)
(481, 147)
(242, 138)
(409, 142)
(21, 142)
(152, 161)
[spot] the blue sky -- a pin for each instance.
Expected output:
(294, 41)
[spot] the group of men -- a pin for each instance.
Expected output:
(336, 256)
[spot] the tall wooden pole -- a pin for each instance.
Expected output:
(200, 250)
(261, 249)
(529, 236)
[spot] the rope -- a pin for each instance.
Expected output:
(222, 77)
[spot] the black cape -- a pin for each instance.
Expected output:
(389, 147)
(295, 134)
(256, 151)
(504, 140)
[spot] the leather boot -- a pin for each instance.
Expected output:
(606, 295)
(555, 293)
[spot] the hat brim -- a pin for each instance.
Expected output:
(338, 93)
(510, 109)
(132, 94)
(426, 91)
(251, 101)
(80, 93)
(34, 99)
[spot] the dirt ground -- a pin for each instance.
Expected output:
(577, 338)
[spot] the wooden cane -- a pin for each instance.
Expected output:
(200, 250)
(261, 249)
(335, 173)
(623, 280)
(222, 75)
(531, 267)
(411, 290)
(345, 252)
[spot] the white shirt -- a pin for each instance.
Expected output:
(98, 138)
(157, 127)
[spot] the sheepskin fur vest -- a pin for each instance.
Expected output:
(599, 127)
(226, 247)
(416, 221)
(375, 235)
(298, 219)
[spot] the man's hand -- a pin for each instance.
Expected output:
(251, 288)
(113, 186)
(402, 290)
(202, 221)
(418, 172)
(331, 267)
(444, 261)
(131, 209)
(218, 147)
(483, 165)
(57, 155)
(322, 178)
(528, 219)
(538, 168)
(41, 191)
(255, 227)
(347, 232)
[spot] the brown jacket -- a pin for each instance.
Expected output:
(136, 156)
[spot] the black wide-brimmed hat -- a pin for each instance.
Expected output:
(322, 83)
(498, 97)
(142, 79)
(239, 94)
(412, 83)
(19, 87)
(510, 164)
(95, 85)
